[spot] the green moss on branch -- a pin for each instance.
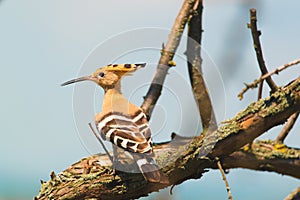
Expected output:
(180, 160)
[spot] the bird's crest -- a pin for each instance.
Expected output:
(125, 68)
(120, 69)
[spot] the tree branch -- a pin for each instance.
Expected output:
(263, 77)
(279, 69)
(295, 195)
(225, 180)
(93, 177)
(287, 128)
(259, 55)
(101, 142)
(194, 59)
(167, 54)
(266, 156)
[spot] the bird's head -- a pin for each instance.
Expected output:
(108, 76)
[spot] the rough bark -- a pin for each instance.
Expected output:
(93, 177)
(266, 156)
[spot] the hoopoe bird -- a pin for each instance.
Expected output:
(123, 123)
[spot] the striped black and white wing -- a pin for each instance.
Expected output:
(131, 133)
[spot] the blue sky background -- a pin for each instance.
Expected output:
(44, 43)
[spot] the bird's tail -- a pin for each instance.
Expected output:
(149, 169)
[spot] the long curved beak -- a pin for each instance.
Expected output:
(85, 78)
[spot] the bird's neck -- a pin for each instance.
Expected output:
(116, 89)
(114, 100)
(112, 94)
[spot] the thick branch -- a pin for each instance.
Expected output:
(180, 161)
(167, 54)
(251, 120)
(195, 70)
(259, 55)
(266, 156)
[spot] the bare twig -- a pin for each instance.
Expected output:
(166, 58)
(259, 55)
(263, 77)
(195, 70)
(280, 68)
(295, 195)
(260, 90)
(286, 129)
(225, 180)
(101, 142)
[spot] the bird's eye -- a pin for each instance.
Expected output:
(101, 74)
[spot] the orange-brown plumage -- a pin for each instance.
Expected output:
(123, 123)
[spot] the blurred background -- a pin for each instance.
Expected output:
(44, 43)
